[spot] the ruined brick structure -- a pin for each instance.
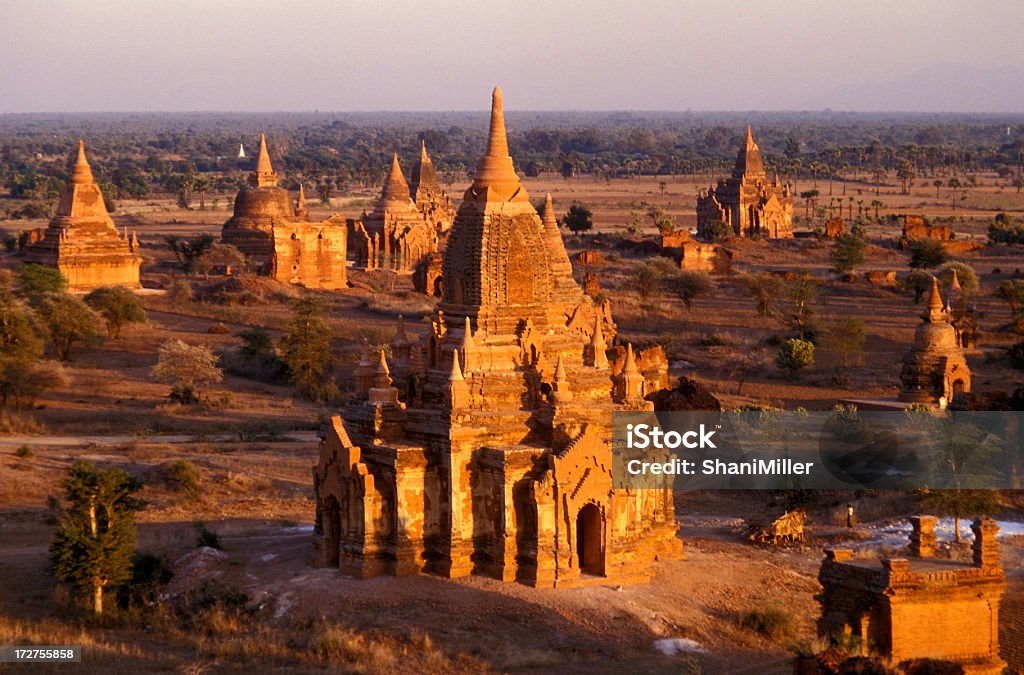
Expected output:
(395, 235)
(934, 369)
(274, 234)
(484, 446)
(426, 278)
(433, 202)
(692, 254)
(919, 607)
(747, 201)
(81, 239)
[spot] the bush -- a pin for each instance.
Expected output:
(1004, 230)
(927, 253)
(847, 254)
(795, 355)
(772, 622)
(714, 340)
(965, 274)
(183, 477)
(24, 452)
(578, 219)
(184, 366)
(206, 537)
(118, 306)
(34, 279)
(916, 283)
(715, 231)
(67, 320)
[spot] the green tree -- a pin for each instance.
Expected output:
(189, 251)
(917, 283)
(95, 541)
(715, 231)
(19, 338)
(795, 355)
(68, 320)
(118, 306)
(688, 285)
(1011, 292)
(927, 253)
(847, 254)
(184, 367)
(965, 275)
(578, 219)
(34, 280)
(306, 350)
(845, 334)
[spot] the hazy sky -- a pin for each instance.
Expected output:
(256, 55)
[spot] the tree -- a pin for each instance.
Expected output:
(19, 338)
(764, 288)
(578, 219)
(905, 172)
(218, 254)
(965, 275)
(306, 350)
(715, 231)
(688, 285)
(184, 367)
(118, 306)
(68, 320)
(189, 251)
(1004, 230)
(848, 253)
(845, 334)
(962, 459)
(917, 282)
(798, 297)
(34, 280)
(22, 381)
(1012, 292)
(95, 541)
(649, 278)
(927, 253)
(795, 355)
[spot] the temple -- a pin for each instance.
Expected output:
(934, 369)
(483, 447)
(920, 606)
(275, 236)
(433, 202)
(747, 202)
(82, 241)
(395, 235)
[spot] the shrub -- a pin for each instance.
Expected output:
(927, 253)
(68, 320)
(772, 622)
(206, 537)
(34, 279)
(847, 254)
(714, 340)
(184, 367)
(916, 283)
(183, 477)
(965, 274)
(795, 355)
(24, 452)
(118, 306)
(715, 231)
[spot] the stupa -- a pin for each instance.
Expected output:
(82, 241)
(484, 445)
(934, 369)
(273, 232)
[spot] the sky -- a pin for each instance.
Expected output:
(339, 55)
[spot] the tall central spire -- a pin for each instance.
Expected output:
(496, 178)
(264, 175)
(81, 174)
(395, 187)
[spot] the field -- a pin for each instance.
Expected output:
(254, 445)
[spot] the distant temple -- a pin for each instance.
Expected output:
(395, 235)
(433, 202)
(484, 446)
(747, 202)
(271, 230)
(934, 369)
(82, 241)
(241, 151)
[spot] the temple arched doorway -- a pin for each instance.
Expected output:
(589, 544)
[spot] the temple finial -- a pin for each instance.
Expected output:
(82, 172)
(263, 175)
(497, 140)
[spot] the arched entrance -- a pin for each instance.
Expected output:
(589, 547)
(959, 387)
(332, 531)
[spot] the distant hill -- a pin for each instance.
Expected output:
(940, 88)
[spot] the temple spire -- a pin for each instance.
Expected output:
(82, 172)
(496, 178)
(547, 214)
(263, 175)
(423, 151)
(395, 187)
(300, 203)
(936, 310)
